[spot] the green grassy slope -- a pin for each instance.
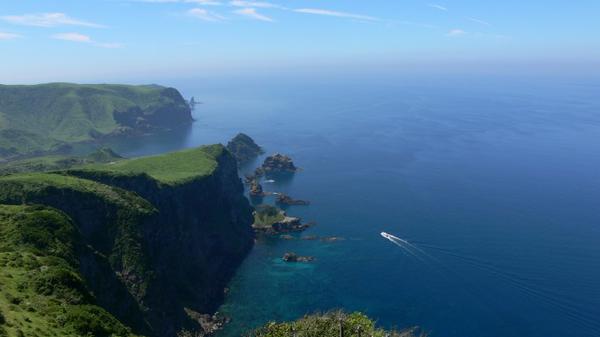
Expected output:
(42, 292)
(47, 116)
(137, 242)
(170, 169)
(58, 162)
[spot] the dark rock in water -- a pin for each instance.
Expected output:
(275, 165)
(249, 179)
(256, 189)
(244, 148)
(293, 257)
(283, 199)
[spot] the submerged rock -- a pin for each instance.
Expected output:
(243, 148)
(293, 257)
(332, 239)
(283, 199)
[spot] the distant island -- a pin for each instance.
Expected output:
(48, 118)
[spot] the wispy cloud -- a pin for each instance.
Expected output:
(48, 20)
(197, 2)
(485, 23)
(253, 14)
(81, 38)
(255, 4)
(439, 7)
(327, 12)
(73, 37)
(9, 36)
(456, 32)
(203, 14)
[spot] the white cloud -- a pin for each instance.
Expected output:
(8, 36)
(48, 20)
(456, 33)
(203, 14)
(439, 7)
(74, 37)
(81, 38)
(485, 23)
(335, 13)
(254, 4)
(253, 14)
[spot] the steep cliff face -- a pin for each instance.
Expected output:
(171, 235)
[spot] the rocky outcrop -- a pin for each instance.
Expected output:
(286, 200)
(256, 189)
(244, 148)
(277, 164)
(293, 257)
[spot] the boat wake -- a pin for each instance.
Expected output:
(570, 309)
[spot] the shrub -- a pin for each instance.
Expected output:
(329, 325)
(91, 320)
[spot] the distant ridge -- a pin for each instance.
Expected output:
(47, 118)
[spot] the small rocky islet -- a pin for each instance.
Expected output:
(244, 148)
(293, 257)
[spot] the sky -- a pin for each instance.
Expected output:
(56, 40)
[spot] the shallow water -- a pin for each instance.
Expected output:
(495, 180)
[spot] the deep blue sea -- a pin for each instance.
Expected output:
(494, 181)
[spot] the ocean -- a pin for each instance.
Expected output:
(493, 181)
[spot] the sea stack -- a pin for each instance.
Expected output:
(243, 148)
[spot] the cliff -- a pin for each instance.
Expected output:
(43, 118)
(158, 237)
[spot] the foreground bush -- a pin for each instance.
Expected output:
(332, 324)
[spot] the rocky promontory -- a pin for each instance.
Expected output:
(272, 220)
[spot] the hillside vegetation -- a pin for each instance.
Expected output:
(332, 324)
(58, 162)
(48, 117)
(138, 247)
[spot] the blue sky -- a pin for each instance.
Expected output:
(52, 40)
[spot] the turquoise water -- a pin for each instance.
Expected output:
(494, 180)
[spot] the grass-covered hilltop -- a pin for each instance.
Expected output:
(44, 118)
(134, 247)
